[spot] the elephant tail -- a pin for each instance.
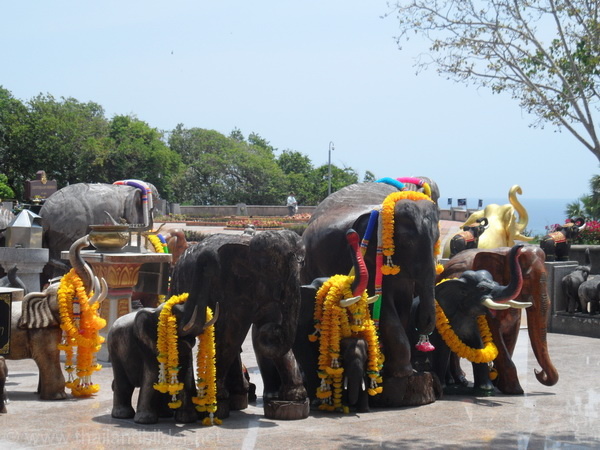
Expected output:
(523, 219)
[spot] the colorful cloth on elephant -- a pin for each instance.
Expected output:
(466, 235)
(558, 237)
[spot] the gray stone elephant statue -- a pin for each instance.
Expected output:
(132, 347)
(68, 213)
(589, 296)
(256, 281)
(463, 304)
(571, 282)
(35, 327)
(410, 232)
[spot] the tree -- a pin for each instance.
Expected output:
(587, 206)
(369, 177)
(13, 114)
(5, 191)
(545, 53)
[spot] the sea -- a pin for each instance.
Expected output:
(542, 212)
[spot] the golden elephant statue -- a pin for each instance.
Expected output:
(506, 223)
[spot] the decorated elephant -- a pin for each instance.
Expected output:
(589, 296)
(505, 324)
(68, 213)
(35, 327)
(409, 230)
(256, 281)
(133, 349)
(461, 328)
(468, 237)
(556, 245)
(571, 282)
(343, 300)
(504, 225)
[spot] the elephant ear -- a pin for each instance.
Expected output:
(235, 257)
(145, 327)
(37, 311)
(494, 263)
(449, 293)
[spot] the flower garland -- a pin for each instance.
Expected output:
(168, 358)
(206, 401)
(80, 323)
(332, 324)
(477, 355)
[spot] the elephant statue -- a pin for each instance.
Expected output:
(463, 303)
(589, 294)
(505, 324)
(35, 327)
(3, 376)
(11, 279)
(68, 213)
(504, 225)
(354, 347)
(132, 347)
(556, 245)
(410, 230)
(468, 237)
(256, 281)
(571, 282)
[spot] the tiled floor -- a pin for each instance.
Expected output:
(566, 415)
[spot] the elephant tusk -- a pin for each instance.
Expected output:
(363, 387)
(349, 301)
(190, 323)
(491, 304)
(519, 305)
(212, 321)
(345, 383)
(371, 300)
(100, 290)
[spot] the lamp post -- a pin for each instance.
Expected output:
(329, 169)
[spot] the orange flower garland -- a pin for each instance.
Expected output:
(159, 247)
(332, 324)
(80, 323)
(477, 355)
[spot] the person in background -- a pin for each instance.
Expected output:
(292, 204)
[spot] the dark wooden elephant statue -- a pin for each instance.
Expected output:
(35, 327)
(132, 347)
(464, 303)
(571, 282)
(505, 324)
(556, 245)
(256, 281)
(410, 232)
(354, 357)
(3, 375)
(468, 237)
(91, 202)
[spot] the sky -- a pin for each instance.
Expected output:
(306, 76)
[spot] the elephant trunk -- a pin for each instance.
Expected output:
(506, 293)
(82, 269)
(361, 275)
(523, 217)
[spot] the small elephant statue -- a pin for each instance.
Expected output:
(468, 237)
(571, 282)
(354, 357)
(589, 294)
(556, 245)
(463, 303)
(3, 376)
(35, 327)
(132, 347)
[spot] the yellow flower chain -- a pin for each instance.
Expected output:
(168, 358)
(386, 229)
(332, 324)
(477, 355)
(80, 323)
(159, 247)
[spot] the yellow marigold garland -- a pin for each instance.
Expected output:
(477, 355)
(81, 324)
(332, 324)
(168, 358)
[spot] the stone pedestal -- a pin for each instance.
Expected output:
(120, 270)
(30, 262)
(556, 271)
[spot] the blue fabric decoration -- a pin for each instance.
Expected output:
(387, 180)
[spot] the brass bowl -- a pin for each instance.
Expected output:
(109, 238)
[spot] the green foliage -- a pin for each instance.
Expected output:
(586, 206)
(5, 191)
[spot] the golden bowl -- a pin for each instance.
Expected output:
(109, 238)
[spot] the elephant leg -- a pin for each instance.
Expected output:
(44, 351)
(148, 397)
(481, 380)
(186, 413)
(237, 385)
(122, 393)
(508, 380)
(3, 374)
(292, 387)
